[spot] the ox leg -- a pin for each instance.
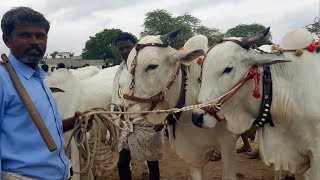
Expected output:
(302, 177)
(229, 157)
(146, 170)
(313, 173)
(196, 173)
(277, 175)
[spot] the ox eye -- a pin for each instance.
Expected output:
(151, 67)
(227, 70)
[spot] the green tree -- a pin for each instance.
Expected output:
(101, 46)
(315, 26)
(161, 22)
(244, 30)
(54, 54)
(211, 33)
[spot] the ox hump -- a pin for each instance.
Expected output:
(296, 39)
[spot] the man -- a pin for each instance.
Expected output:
(45, 68)
(23, 153)
(52, 69)
(143, 143)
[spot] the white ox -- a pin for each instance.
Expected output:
(85, 72)
(293, 144)
(85, 88)
(154, 68)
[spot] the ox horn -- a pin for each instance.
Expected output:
(248, 41)
(55, 89)
(169, 37)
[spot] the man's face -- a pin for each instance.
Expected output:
(124, 48)
(27, 43)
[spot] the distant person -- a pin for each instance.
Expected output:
(60, 65)
(125, 42)
(53, 68)
(45, 68)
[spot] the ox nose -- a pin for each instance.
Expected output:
(197, 119)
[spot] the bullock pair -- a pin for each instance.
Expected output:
(284, 103)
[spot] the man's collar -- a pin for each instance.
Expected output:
(25, 70)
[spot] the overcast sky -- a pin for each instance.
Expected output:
(73, 21)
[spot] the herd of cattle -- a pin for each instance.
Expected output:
(285, 108)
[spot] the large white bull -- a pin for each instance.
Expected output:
(84, 89)
(156, 68)
(293, 144)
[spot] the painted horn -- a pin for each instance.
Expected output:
(169, 37)
(248, 41)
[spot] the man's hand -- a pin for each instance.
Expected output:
(84, 119)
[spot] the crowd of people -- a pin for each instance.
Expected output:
(45, 67)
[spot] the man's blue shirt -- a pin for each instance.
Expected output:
(23, 150)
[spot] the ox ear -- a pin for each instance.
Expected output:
(188, 55)
(269, 59)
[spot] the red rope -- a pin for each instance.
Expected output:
(255, 74)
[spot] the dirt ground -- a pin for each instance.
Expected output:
(173, 168)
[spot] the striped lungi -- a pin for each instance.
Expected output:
(12, 176)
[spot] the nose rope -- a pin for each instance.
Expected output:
(216, 103)
(174, 117)
(253, 73)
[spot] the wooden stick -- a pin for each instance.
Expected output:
(35, 116)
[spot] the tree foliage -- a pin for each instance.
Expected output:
(54, 54)
(315, 26)
(101, 46)
(244, 30)
(161, 22)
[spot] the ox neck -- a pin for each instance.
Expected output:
(172, 118)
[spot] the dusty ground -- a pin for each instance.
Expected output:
(173, 168)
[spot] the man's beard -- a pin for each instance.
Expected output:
(32, 57)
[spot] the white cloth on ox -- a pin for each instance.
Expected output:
(143, 142)
(12, 176)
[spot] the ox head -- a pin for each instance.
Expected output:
(154, 66)
(225, 65)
